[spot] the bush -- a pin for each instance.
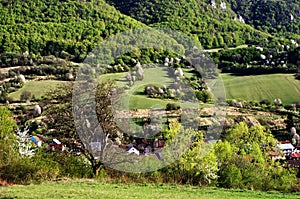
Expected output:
(265, 101)
(28, 170)
(172, 106)
(230, 177)
(25, 95)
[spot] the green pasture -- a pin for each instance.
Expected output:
(260, 87)
(36, 88)
(134, 98)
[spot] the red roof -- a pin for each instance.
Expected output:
(295, 155)
(274, 153)
(285, 142)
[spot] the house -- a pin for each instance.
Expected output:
(133, 150)
(36, 140)
(286, 147)
(297, 149)
(294, 156)
(292, 164)
(56, 145)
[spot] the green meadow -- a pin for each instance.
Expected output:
(260, 87)
(253, 87)
(134, 97)
(97, 189)
(36, 88)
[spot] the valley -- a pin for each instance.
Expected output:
(210, 110)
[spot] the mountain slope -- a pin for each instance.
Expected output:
(274, 16)
(58, 27)
(213, 27)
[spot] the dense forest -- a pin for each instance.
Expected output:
(213, 27)
(60, 28)
(73, 28)
(276, 17)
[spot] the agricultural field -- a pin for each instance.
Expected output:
(36, 88)
(97, 189)
(260, 87)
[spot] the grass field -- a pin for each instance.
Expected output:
(134, 97)
(37, 88)
(96, 189)
(259, 87)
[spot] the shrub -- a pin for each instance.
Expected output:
(28, 170)
(25, 95)
(172, 106)
(265, 101)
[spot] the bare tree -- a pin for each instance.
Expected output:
(82, 118)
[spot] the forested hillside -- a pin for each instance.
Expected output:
(278, 17)
(72, 28)
(213, 24)
(60, 28)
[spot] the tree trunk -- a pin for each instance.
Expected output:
(96, 167)
(96, 170)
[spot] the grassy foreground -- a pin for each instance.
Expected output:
(97, 189)
(260, 87)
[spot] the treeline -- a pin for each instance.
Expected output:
(61, 28)
(258, 60)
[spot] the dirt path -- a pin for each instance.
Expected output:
(218, 49)
(5, 70)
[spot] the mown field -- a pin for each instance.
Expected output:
(36, 88)
(96, 189)
(260, 87)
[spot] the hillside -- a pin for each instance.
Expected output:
(277, 17)
(61, 28)
(214, 26)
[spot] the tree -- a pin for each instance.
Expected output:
(243, 137)
(81, 130)
(231, 176)
(8, 144)
(243, 160)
